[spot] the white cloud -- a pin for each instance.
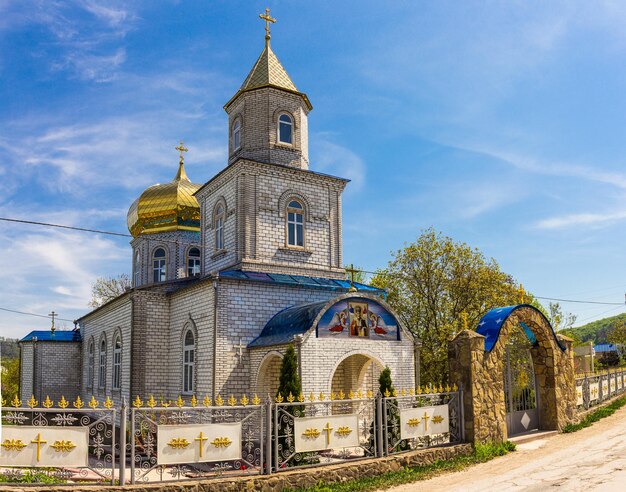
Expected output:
(581, 220)
(336, 160)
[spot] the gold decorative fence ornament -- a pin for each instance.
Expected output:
(63, 403)
(32, 403)
(178, 443)
(343, 431)
(232, 401)
(413, 422)
(256, 400)
(63, 446)
(311, 433)
(13, 445)
(437, 419)
(221, 442)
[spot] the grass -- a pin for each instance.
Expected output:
(596, 415)
(481, 454)
(31, 476)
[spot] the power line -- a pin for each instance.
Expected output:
(33, 314)
(118, 234)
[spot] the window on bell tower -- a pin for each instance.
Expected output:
(219, 228)
(285, 129)
(236, 135)
(295, 224)
(159, 269)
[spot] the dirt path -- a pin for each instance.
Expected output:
(591, 459)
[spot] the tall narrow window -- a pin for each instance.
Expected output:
(236, 135)
(189, 360)
(117, 363)
(90, 364)
(219, 228)
(295, 224)
(193, 262)
(285, 129)
(102, 375)
(158, 265)
(137, 269)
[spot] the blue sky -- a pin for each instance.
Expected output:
(501, 124)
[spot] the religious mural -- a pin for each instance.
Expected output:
(360, 318)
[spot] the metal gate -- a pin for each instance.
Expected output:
(520, 389)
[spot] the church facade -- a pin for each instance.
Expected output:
(227, 274)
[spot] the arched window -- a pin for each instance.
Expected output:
(117, 363)
(219, 227)
(236, 135)
(158, 265)
(193, 262)
(295, 224)
(189, 360)
(102, 375)
(285, 129)
(137, 269)
(90, 364)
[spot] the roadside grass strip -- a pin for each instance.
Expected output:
(596, 415)
(482, 453)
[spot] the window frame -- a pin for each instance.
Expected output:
(219, 217)
(292, 127)
(196, 258)
(236, 134)
(163, 268)
(91, 360)
(137, 278)
(297, 225)
(117, 363)
(189, 363)
(102, 364)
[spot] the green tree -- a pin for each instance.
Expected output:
(105, 289)
(384, 382)
(10, 377)
(431, 282)
(558, 319)
(289, 382)
(617, 333)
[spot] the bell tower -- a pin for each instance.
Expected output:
(267, 117)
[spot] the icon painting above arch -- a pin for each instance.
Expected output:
(358, 318)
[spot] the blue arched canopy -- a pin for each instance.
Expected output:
(491, 323)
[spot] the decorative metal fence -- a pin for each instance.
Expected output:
(196, 439)
(321, 431)
(593, 389)
(191, 439)
(422, 419)
(69, 442)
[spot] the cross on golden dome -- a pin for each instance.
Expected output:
(181, 148)
(268, 19)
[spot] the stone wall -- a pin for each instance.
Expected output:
(295, 479)
(481, 376)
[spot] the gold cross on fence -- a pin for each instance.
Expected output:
(38, 442)
(425, 420)
(327, 429)
(201, 438)
(268, 19)
(181, 148)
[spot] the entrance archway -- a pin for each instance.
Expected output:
(357, 372)
(269, 375)
(520, 389)
(478, 364)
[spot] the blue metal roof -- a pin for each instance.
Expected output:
(287, 323)
(314, 282)
(491, 323)
(606, 347)
(49, 336)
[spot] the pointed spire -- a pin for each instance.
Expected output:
(181, 174)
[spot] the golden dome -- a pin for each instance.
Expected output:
(166, 207)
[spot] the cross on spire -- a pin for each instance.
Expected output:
(352, 271)
(268, 20)
(53, 315)
(522, 294)
(181, 148)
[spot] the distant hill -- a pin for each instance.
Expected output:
(595, 331)
(9, 347)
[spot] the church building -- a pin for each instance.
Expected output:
(228, 273)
